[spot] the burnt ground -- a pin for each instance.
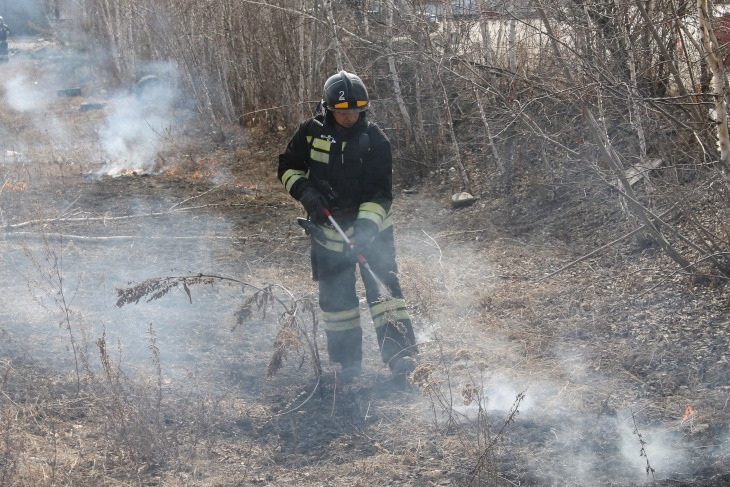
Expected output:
(611, 372)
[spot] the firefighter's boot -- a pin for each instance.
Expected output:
(345, 348)
(397, 347)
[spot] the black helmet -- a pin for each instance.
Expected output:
(345, 91)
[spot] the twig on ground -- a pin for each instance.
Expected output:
(334, 397)
(441, 254)
(68, 207)
(194, 197)
(463, 232)
(299, 406)
(62, 219)
(124, 237)
(2, 217)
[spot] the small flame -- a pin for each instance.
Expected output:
(688, 413)
(242, 186)
(205, 169)
(11, 186)
(122, 170)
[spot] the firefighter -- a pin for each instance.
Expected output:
(340, 161)
(4, 34)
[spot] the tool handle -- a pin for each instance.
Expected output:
(359, 256)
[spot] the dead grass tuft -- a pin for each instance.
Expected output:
(423, 377)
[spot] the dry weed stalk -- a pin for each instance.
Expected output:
(118, 411)
(155, 358)
(152, 289)
(642, 451)
(292, 335)
(485, 462)
(134, 413)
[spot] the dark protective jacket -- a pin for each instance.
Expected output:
(4, 32)
(356, 163)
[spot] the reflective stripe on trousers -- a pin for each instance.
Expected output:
(339, 302)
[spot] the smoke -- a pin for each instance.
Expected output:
(559, 444)
(561, 434)
(24, 16)
(128, 131)
(33, 98)
(501, 394)
(26, 96)
(662, 449)
(139, 123)
(92, 270)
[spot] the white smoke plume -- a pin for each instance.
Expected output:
(25, 95)
(139, 122)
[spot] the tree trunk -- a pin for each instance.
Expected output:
(335, 39)
(488, 131)
(395, 79)
(634, 96)
(719, 81)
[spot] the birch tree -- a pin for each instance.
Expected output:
(719, 80)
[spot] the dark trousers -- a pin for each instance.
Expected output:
(339, 302)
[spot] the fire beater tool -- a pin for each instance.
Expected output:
(360, 258)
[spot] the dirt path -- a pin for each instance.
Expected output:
(581, 379)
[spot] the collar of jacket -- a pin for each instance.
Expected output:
(330, 126)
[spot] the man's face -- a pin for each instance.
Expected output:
(346, 118)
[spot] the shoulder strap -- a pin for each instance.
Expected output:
(315, 127)
(364, 141)
(314, 130)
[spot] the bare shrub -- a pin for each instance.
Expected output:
(134, 412)
(293, 334)
(499, 91)
(476, 433)
(50, 283)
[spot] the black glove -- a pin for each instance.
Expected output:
(365, 232)
(315, 203)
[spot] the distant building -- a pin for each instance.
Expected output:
(459, 8)
(464, 9)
